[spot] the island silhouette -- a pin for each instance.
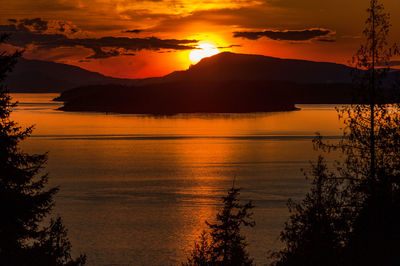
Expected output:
(223, 83)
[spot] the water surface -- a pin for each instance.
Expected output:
(136, 190)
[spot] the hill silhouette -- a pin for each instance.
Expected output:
(202, 97)
(43, 76)
(173, 98)
(228, 66)
(224, 83)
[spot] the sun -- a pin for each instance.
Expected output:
(204, 50)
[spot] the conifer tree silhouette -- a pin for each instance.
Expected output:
(224, 244)
(364, 188)
(25, 202)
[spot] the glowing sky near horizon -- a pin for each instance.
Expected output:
(204, 50)
(143, 38)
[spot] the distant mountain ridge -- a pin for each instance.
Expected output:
(44, 76)
(224, 83)
(228, 66)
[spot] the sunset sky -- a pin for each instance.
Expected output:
(139, 38)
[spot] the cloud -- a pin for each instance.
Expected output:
(244, 17)
(229, 46)
(32, 25)
(100, 53)
(35, 32)
(285, 35)
(326, 40)
(106, 53)
(37, 24)
(136, 31)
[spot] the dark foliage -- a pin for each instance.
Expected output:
(316, 230)
(24, 200)
(224, 244)
(361, 207)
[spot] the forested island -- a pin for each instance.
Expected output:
(224, 83)
(201, 97)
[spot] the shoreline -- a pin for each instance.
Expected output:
(115, 111)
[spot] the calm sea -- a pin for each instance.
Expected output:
(136, 190)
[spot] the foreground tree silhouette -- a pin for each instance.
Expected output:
(316, 229)
(366, 184)
(224, 244)
(371, 143)
(24, 200)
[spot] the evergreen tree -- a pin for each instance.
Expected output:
(365, 185)
(202, 253)
(371, 143)
(316, 229)
(24, 200)
(225, 245)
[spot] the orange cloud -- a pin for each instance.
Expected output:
(34, 32)
(285, 35)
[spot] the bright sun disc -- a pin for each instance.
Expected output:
(205, 50)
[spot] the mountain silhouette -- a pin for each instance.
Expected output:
(44, 76)
(223, 83)
(228, 66)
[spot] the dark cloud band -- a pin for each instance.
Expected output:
(285, 35)
(229, 46)
(136, 31)
(104, 47)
